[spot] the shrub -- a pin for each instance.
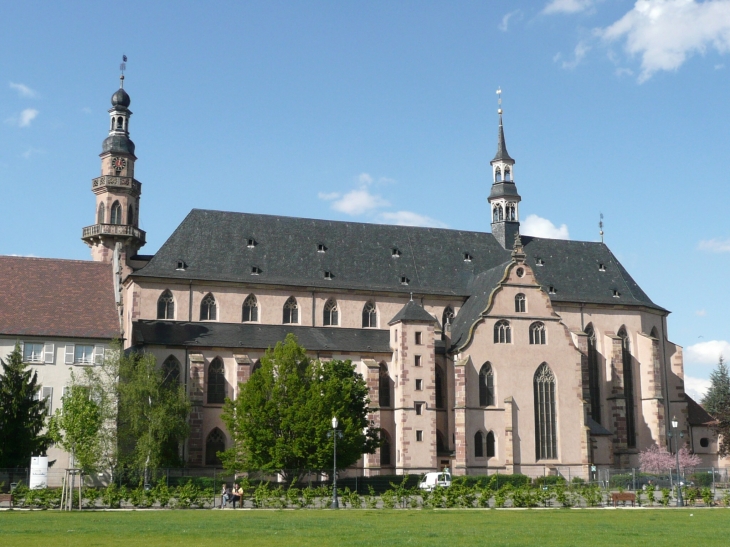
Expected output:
(665, 497)
(502, 496)
(189, 495)
(593, 496)
(113, 497)
(707, 496)
(550, 480)
(651, 495)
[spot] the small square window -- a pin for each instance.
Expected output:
(417, 360)
(32, 353)
(321, 248)
(418, 339)
(616, 294)
(551, 290)
(404, 280)
(328, 275)
(251, 243)
(419, 435)
(468, 257)
(419, 409)
(395, 253)
(255, 270)
(419, 385)
(539, 262)
(181, 266)
(601, 268)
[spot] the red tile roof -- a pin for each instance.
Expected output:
(53, 297)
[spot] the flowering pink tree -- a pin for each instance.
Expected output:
(656, 460)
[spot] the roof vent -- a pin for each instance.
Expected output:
(181, 266)
(468, 257)
(616, 294)
(539, 262)
(404, 280)
(396, 253)
(328, 275)
(255, 270)
(551, 290)
(601, 268)
(251, 243)
(321, 248)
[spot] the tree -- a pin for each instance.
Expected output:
(281, 420)
(717, 399)
(22, 414)
(657, 460)
(152, 414)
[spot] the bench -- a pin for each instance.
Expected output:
(7, 498)
(624, 497)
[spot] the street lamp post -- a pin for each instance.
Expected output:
(675, 423)
(335, 433)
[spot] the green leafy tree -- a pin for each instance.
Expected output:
(717, 399)
(22, 413)
(152, 418)
(281, 420)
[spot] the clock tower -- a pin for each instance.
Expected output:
(115, 234)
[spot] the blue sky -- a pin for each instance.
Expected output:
(386, 112)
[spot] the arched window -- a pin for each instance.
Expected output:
(216, 382)
(498, 175)
(510, 211)
(520, 303)
(384, 386)
(250, 309)
(546, 441)
(497, 213)
(171, 372)
(116, 213)
(291, 311)
(166, 306)
(594, 375)
(537, 333)
(208, 308)
(491, 452)
(119, 123)
(369, 316)
(486, 385)
(330, 313)
(478, 445)
(441, 446)
(502, 332)
(385, 449)
(256, 366)
(507, 174)
(447, 318)
(654, 333)
(130, 215)
(101, 215)
(439, 388)
(628, 389)
(216, 442)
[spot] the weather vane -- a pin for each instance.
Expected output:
(499, 100)
(600, 227)
(123, 67)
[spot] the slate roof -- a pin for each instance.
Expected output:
(596, 428)
(412, 311)
(502, 154)
(255, 336)
(696, 415)
(57, 298)
(214, 247)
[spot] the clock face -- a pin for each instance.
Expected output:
(118, 164)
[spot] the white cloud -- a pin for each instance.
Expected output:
(27, 116)
(707, 353)
(23, 90)
(701, 313)
(715, 245)
(719, 66)
(665, 32)
(328, 196)
(357, 202)
(536, 226)
(624, 72)
(578, 54)
(567, 6)
(504, 25)
(408, 218)
(696, 387)
(31, 152)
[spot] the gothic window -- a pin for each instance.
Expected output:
(256, 366)
(439, 391)
(119, 122)
(130, 215)
(520, 303)
(507, 174)
(537, 333)
(166, 306)
(441, 446)
(486, 385)
(216, 382)
(511, 211)
(502, 332)
(497, 213)
(628, 389)
(447, 318)
(385, 449)
(216, 442)
(384, 386)
(101, 216)
(491, 452)
(116, 213)
(478, 445)
(250, 309)
(594, 375)
(171, 372)
(498, 175)
(369, 316)
(291, 311)
(208, 308)
(331, 314)
(546, 442)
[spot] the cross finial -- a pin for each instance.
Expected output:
(499, 100)
(600, 227)
(122, 67)
(411, 297)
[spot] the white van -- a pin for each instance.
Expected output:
(432, 480)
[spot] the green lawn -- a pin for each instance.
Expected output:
(321, 528)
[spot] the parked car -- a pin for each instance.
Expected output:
(432, 480)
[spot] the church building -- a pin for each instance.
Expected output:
(483, 351)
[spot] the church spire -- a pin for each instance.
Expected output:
(503, 198)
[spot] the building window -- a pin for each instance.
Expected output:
(417, 360)
(439, 388)
(291, 311)
(32, 352)
(511, 211)
(171, 372)
(704, 441)
(383, 386)
(101, 215)
(594, 375)
(537, 333)
(208, 308)
(130, 215)
(419, 435)
(628, 389)
(478, 445)
(486, 385)
(216, 382)
(546, 443)
(507, 174)
(166, 306)
(419, 385)
(84, 354)
(502, 332)
(419, 409)
(418, 339)
(385, 449)
(369, 316)
(520, 303)
(442, 448)
(447, 318)
(116, 213)
(497, 213)
(216, 442)
(498, 175)
(490, 445)
(250, 309)
(256, 366)
(331, 314)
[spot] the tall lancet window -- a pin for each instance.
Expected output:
(594, 375)
(486, 385)
(330, 314)
(502, 332)
(130, 215)
(166, 306)
(628, 389)
(511, 212)
(291, 311)
(497, 213)
(208, 308)
(369, 316)
(250, 309)
(507, 174)
(116, 213)
(546, 441)
(101, 216)
(497, 175)
(447, 318)
(383, 386)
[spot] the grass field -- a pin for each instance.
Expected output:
(594, 528)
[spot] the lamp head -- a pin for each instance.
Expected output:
(335, 423)
(675, 423)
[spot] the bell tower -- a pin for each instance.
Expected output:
(115, 235)
(503, 198)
